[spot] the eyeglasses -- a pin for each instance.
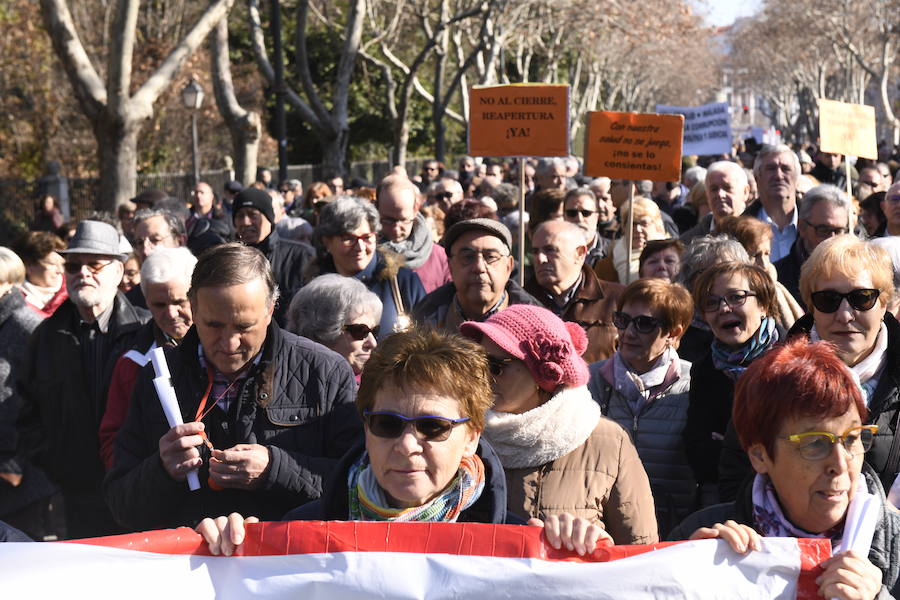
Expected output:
(732, 299)
(824, 231)
(497, 365)
(391, 221)
(73, 268)
(642, 323)
(153, 241)
(828, 301)
(443, 195)
(390, 425)
(816, 445)
(359, 332)
(573, 213)
(349, 239)
(467, 258)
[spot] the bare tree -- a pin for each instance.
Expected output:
(245, 126)
(115, 113)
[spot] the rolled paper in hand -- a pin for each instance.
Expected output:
(169, 402)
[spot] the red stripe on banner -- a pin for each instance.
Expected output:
(812, 553)
(475, 539)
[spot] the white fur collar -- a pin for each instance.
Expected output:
(545, 433)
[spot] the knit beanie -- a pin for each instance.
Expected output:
(549, 347)
(254, 198)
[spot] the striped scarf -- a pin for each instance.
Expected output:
(368, 502)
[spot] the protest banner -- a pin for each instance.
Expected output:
(707, 128)
(343, 560)
(847, 129)
(519, 120)
(633, 146)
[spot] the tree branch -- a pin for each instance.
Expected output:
(120, 56)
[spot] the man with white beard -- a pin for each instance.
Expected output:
(66, 376)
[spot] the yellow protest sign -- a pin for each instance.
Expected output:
(519, 120)
(633, 146)
(847, 129)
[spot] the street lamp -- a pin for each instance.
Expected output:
(192, 96)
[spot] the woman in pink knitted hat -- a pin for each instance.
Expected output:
(559, 454)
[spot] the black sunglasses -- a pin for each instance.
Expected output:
(359, 332)
(642, 323)
(574, 212)
(828, 301)
(391, 425)
(496, 365)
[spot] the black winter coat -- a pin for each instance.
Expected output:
(334, 505)
(297, 401)
(289, 260)
(59, 420)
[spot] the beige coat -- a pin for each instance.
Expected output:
(602, 480)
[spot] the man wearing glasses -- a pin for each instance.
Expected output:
(67, 372)
(581, 207)
(823, 214)
(481, 264)
(405, 231)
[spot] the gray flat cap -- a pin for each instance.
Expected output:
(95, 237)
(488, 226)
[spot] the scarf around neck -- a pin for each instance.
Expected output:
(417, 247)
(545, 433)
(866, 372)
(771, 521)
(368, 501)
(638, 389)
(734, 362)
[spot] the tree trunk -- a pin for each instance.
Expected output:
(117, 154)
(334, 153)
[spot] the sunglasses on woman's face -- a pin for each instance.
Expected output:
(828, 301)
(390, 425)
(359, 332)
(642, 323)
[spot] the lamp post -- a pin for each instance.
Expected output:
(192, 96)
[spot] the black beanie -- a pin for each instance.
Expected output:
(254, 198)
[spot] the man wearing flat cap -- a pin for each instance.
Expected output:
(67, 371)
(254, 223)
(481, 262)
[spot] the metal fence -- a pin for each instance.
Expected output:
(18, 197)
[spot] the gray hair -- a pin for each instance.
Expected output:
(769, 150)
(321, 308)
(506, 195)
(891, 245)
(725, 167)
(708, 250)
(578, 192)
(823, 193)
(601, 181)
(176, 224)
(549, 165)
(693, 176)
(344, 215)
(167, 264)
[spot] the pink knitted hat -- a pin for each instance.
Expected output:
(549, 347)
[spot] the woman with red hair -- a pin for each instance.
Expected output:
(800, 416)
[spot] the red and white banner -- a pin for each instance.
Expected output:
(349, 560)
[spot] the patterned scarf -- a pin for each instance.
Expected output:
(771, 522)
(734, 362)
(368, 502)
(639, 389)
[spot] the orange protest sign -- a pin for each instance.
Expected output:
(633, 146)
(847, 129)
(519, 120)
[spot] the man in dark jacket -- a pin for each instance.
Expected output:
(254, 222)
(268, 413)
(480, 267)
(67, 372)
(565, 284)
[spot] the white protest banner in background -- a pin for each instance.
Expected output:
(354, 560)
(707, 128)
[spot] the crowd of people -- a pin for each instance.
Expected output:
(364, 352)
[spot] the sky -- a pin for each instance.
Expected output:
(724, 12)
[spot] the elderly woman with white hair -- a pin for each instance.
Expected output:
(165, 280)
(339, 313)
(647, 225)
